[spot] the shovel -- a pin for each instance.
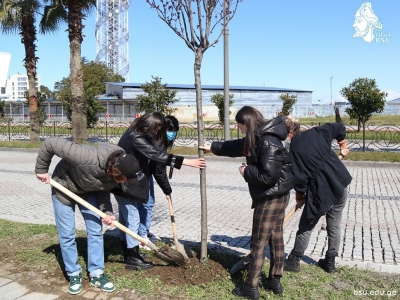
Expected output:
(184, 250)
(166, 254)
(245, 260)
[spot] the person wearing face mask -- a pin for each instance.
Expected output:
(144, 139)
(269, 177)
(159, 171)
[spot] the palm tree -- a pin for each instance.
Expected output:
(19, 17)
(72, 12)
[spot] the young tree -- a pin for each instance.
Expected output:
(219, 101)
(194, 21)
(72, 12)
(338, 118)
(19, 17)
(94, 76)
(158, 98)
(288, 102)
(365, 98)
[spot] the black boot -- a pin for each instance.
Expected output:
(274, 285)
(123, 255)
(134, 261)
(328, 264)
(247, 292)
(292, 263)
(123, 246)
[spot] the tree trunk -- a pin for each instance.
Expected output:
(200, 130)
(28, 33)
(78, 101)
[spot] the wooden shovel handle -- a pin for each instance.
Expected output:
(101, 214)
(290, 214)
(171, 212)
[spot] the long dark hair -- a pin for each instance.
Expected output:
(149, 123)
(172, 124)
(251, 118)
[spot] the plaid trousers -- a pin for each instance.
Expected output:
(267, 228)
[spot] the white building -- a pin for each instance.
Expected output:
(4, 65)
(16, 86)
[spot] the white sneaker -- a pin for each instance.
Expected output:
(152, 237)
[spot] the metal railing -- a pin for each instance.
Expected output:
(370, 138)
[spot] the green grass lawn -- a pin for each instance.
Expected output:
(377, 119)
(35, 247)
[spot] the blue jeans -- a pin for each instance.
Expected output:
(129, 217)
(146, 211)
(65, 222)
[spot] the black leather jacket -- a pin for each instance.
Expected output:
(268, 171)
(143, 148)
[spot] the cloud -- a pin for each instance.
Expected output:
(392, 95)
(342, 98)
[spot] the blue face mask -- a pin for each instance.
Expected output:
(287, 145)
(171, 135)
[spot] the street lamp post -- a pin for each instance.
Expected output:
(226, 75)
(331, 91)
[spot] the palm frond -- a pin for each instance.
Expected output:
(53, 17)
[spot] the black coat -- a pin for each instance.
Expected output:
(268, 167)
(317, 169)
(142, 147)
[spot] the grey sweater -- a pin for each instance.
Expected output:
(82, 169)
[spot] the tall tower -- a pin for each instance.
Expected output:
(112, 35)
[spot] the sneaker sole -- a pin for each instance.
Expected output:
(75, 293)
(104, 290)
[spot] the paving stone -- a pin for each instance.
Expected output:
(13, 290)
(39, 296)
(369, 224)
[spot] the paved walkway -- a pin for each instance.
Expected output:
(370, 233)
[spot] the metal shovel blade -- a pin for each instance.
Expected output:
(170, 256)
(183, 249)
(240, 265)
